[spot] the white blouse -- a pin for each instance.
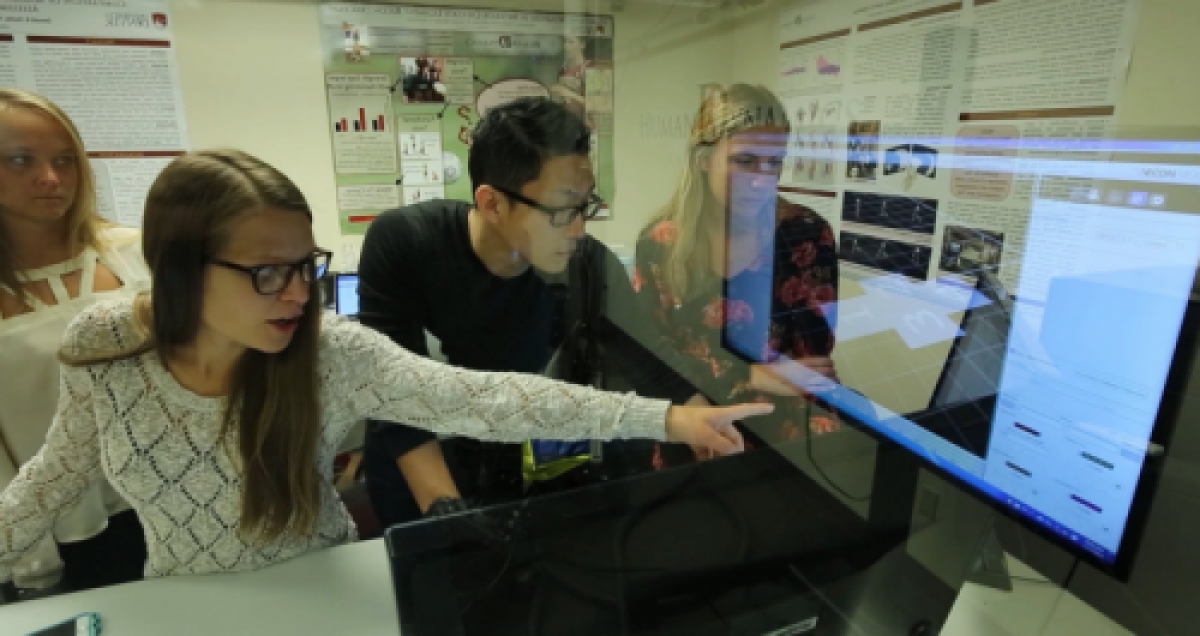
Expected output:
(29, 367)
(160, 446)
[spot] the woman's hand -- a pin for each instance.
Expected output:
(793, 378)
(711, 429)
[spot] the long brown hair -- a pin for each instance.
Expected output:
(724, 113)
(273, 408)
(83, 221)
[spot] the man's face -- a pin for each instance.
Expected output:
(565, 181)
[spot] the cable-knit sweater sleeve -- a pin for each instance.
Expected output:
(371, 377)
(55, 478)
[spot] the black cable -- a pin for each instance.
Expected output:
(821, 471)
(1071, 573)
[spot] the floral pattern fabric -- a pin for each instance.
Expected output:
(688, 332)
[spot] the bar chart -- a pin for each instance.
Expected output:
(358, 115)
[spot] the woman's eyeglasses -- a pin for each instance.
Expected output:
(560, 216)
(273, 279)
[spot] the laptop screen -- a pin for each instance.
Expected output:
(347, 294)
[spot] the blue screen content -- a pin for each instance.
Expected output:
(347, 295)
(1053, 355)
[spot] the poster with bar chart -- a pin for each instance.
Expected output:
(435, 71)
(359, 104)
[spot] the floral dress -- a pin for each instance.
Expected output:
(688, 332)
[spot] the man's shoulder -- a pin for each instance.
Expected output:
(424, 216)
(414, 230)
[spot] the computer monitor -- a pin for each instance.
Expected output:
(1061, 339)
(346, 294)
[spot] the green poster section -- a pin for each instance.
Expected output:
(540, 59)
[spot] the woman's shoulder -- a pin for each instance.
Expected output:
(792, 213)
(104, 328)
(119, 237)
(123, 247)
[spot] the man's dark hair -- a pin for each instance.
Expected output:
(512, 141)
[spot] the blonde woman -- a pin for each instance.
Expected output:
(718, 229)
(215, 404)
(56, 257)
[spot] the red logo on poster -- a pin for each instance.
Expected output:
(159, 20)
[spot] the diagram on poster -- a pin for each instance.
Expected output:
(359, 109)
(888, 234)
(422, 161)
(434, 71)
(817, 140)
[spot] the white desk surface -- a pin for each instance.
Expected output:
(345, 591)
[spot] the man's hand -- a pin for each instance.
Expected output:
(711, 429)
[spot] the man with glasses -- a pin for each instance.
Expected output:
(505, 283)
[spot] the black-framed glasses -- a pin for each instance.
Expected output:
(273, 279)
(560, 216)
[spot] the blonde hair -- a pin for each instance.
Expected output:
(83, 220)
(727, 111)
(273, 410)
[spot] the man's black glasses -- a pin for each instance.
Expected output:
(559, 216)
(273, 279)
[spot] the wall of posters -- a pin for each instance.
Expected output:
(923, 119)
(407, 84)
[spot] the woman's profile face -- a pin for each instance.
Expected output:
(39, 167)
(233, 313)
(744, 168)
(573, 46)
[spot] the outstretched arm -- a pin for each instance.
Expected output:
(55, 478)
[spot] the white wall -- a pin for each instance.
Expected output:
(261, 90)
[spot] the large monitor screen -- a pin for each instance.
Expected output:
(1029, 365)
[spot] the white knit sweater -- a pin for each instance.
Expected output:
(158, 443)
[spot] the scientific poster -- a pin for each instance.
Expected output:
(939, 105)
(444, 67)
(112, 68)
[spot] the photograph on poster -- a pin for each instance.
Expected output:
(862, 144)
(967, 250)
(910, 161)
(355, 44)
(422, 79)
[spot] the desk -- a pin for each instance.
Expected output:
(345, 591)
